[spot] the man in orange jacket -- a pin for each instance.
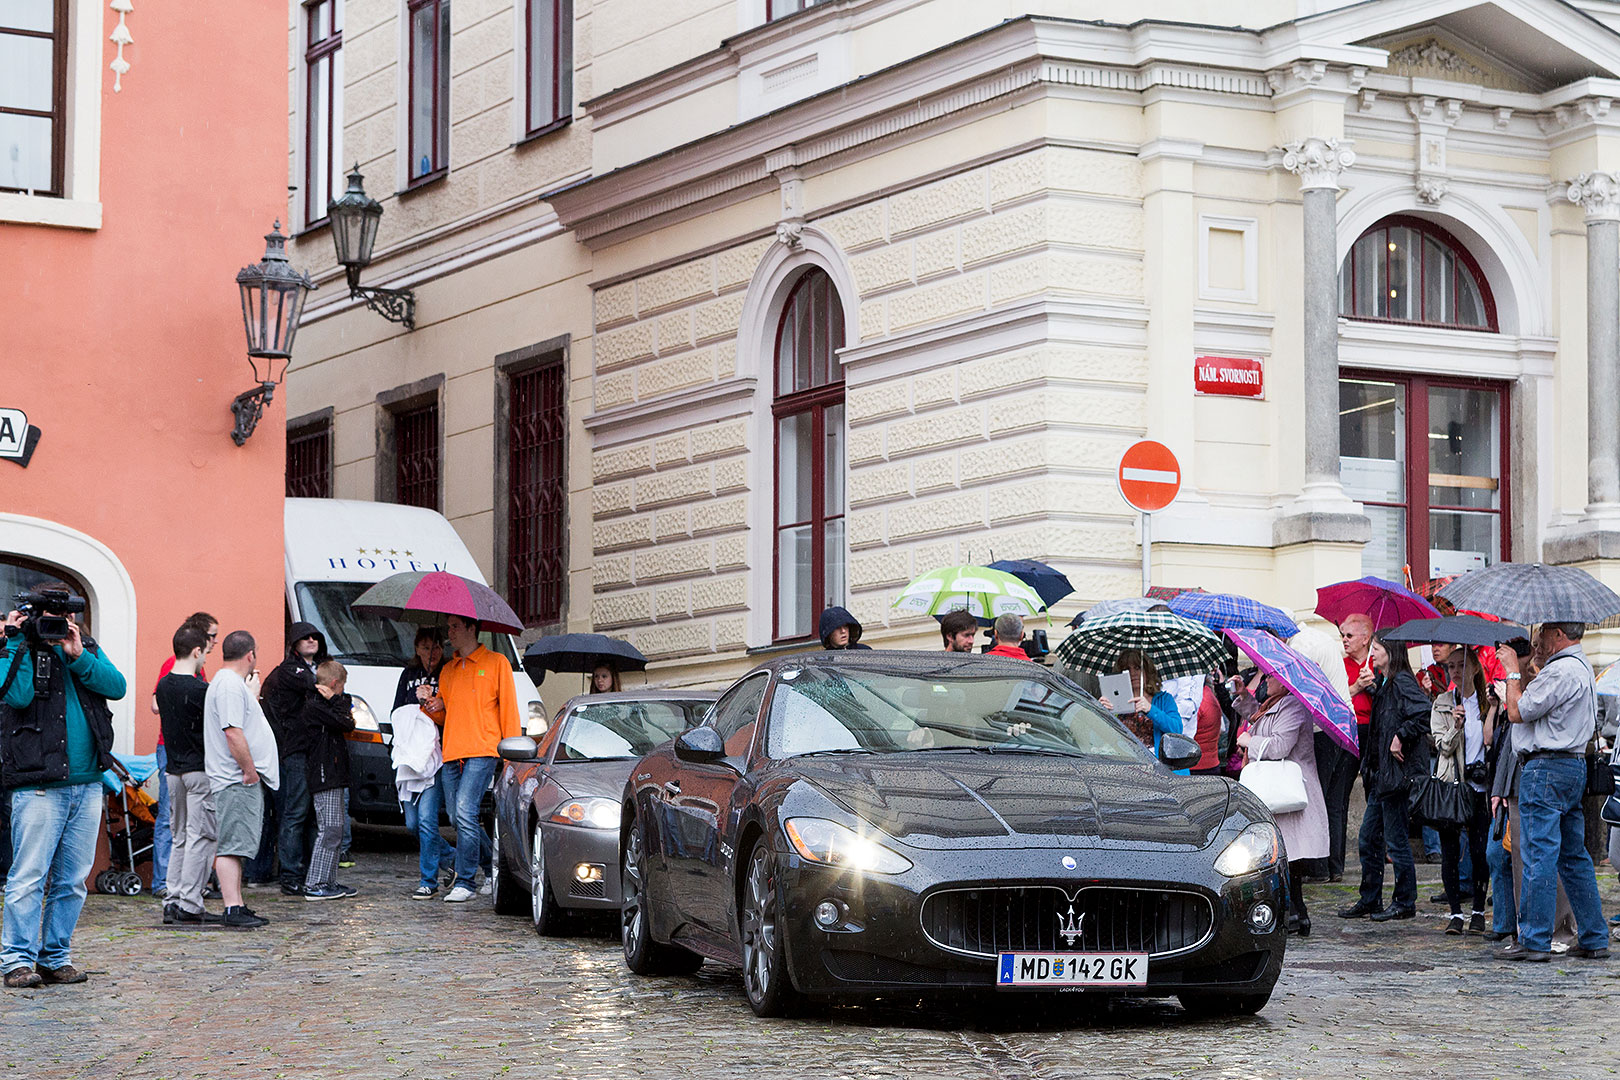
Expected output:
(477, 707)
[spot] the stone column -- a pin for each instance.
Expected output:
(1322, 511)
(1598, 193)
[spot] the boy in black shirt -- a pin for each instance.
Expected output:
(180, 696)
(328, 718)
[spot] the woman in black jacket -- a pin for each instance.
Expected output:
(1396, 753)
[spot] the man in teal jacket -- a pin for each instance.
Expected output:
(55, 739)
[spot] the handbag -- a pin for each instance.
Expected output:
(1444, 804)
(1599, 774)
(1279, 784)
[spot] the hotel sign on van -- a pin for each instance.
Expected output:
(1229, 376)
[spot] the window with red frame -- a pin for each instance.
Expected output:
(323, 107)
(808, 410)
(1409, 270)
(428, 138)
(33, 95)
(537, 560)
(416, 456)
(550, 44)
(309, 461)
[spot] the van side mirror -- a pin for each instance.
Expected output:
(518, 748)
(1178, 751)
(699, 746)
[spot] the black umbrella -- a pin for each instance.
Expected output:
(1456, 630)
(1534, 593)
(1049, 583)
(580, 652)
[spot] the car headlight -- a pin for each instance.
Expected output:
(826, 842)
(364, 718)
(593, 813)
(1255, 848)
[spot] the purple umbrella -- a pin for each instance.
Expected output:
(1385, 602)
(1305, 680)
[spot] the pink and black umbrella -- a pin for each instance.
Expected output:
(426, 598)
(1385, 602)
(1305, 681)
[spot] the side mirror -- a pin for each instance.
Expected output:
(1178, 751)
(700, 745)
(518, 748)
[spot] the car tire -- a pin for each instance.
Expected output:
(1215, 1003)
(503, 891)
(763, 938)
(642, 954)
(543, 908)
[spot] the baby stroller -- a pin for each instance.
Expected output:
(131, 813)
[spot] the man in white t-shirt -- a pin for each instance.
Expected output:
(239, 755)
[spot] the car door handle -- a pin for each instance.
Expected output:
(672, 788)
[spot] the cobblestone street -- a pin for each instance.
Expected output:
(384, 987)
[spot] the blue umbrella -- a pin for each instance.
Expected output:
(1227, 611)
(1049, 583)
(1305, 680)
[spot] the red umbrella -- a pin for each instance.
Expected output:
(428, 597)
(1385, 602)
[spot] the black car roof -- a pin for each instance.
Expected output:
(911, 662)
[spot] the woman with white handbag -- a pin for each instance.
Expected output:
(1280, 748)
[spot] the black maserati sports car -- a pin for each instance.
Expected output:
(557, 801)
(860, 824)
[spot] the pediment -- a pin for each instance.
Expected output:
(1518, 45)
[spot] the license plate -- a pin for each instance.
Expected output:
(1036, 970)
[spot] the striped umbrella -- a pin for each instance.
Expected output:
(1227, 611)
(425, 598)
(1177, 646)
(978, 590)
(1533, 593)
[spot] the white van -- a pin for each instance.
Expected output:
(335, 550)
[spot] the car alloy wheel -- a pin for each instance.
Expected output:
(765, 977)
(642, 954)
(542, 908)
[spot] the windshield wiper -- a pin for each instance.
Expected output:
(840, 750)
(370, 658)
(1002, 748)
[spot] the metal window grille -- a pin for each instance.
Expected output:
(538, 494)
(416, 457)
(309, 462)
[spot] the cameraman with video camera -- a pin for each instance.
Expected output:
(55, 739)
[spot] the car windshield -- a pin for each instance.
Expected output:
(819, 710)
(624, 729)
(365, 639)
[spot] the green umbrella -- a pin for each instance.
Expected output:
(978, 590)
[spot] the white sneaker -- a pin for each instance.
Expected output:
(459, 895)
(486, 888)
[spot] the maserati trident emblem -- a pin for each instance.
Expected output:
(1069, 926)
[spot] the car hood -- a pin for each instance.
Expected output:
(583, 779)
(932, 800)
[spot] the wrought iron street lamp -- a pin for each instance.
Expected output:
(272, 303)
(354, 219)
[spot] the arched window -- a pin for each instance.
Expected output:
(808, 410)
(19, 575)
(1408, 270)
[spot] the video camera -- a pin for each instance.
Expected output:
(45, 614)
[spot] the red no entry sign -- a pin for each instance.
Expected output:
(1149, 476)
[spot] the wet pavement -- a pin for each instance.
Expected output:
(383, 986)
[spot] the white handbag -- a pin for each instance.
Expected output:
(1280, 784)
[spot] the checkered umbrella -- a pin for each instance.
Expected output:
(1533, 593)
(1222, 611)
(1177, 646)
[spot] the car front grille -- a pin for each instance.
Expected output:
(1047, 918)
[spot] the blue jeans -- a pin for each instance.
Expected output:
(162, 839)
(1383, 827)
(296, 813)
(434, 853)
(1553, 825)
(53, 835)
(1504, 913)
(464, 785)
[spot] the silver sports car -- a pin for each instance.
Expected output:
(557, 801)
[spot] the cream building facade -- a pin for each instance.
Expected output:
(999, 237)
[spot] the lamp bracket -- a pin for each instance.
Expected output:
(248, 407)
(395, 305)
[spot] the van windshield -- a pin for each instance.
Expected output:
(365, 639)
